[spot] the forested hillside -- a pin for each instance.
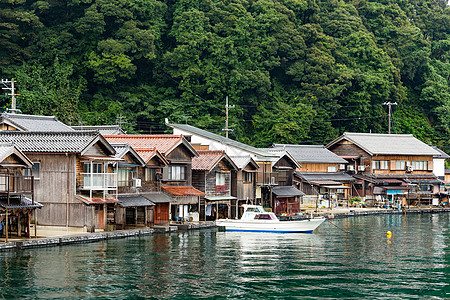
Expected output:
(297, 71)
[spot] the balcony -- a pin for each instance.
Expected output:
(15, 184)
(99, 181)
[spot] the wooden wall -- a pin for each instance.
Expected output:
(317, 167)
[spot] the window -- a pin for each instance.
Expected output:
(124, 176)
(380, 165)
(332, 169)
(220, 178)
(419, 165)
(150, 175)
(177, 172)
(400, 165)
(34, 171)
(248, 177)
(96, 168)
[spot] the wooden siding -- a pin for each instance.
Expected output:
(199, 180)
(95, 150)
(317, 167)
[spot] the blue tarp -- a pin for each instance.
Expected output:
(394, 192)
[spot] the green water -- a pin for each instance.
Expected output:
(358, 263)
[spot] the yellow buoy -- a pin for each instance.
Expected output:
(388, 234)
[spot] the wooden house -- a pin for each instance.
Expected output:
(322, 174)
(280, 194)
(243, 183)
(388, 166)
(274, 169)
(73, 176)
(176, 178)
(212, 174)
(17, 204)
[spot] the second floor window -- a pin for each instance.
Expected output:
(34, 171)
(96, 168)
(177, 173)
(419, 165)
(220, 178)
(150, 175)
(332, 169)
(400, 165)
(380, 165)
(248, 177)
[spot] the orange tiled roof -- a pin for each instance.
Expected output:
(207, 159)
(162, 142)
(146, 153)
(183, 191)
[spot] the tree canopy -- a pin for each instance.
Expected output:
(297, 71)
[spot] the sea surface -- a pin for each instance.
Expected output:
(345, 258)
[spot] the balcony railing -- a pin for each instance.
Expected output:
(99, 181)
(12, 183)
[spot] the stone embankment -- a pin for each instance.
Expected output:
(98, 236)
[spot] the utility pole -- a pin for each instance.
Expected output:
(9, 85)
(389, 104)
(226, 118)
(120, 120)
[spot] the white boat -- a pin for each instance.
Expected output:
(256, 219)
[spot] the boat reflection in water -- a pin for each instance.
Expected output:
(256, 219)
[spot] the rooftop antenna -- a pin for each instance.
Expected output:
(185, 118)
(389, 104)
(226, 118)
(9, 85)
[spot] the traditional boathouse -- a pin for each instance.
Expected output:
(17, 204)
(73, 176)
(211, 173)
(389, 167)
(176, 178)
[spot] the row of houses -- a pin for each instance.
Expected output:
(99, 177)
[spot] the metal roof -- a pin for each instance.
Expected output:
(311, 153)
(34, 123)
(442, 154)
(53, 142)
(243, 161)
(287, 191)
(183, 191)
(134, 200)
(158, 197)
(321, 176)
(103, 129)
(220, 139)
(388, 144)
(18, 202)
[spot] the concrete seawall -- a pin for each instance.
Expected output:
(98, 236)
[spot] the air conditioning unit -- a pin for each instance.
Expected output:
(137, 182)
(350, 168)
(342, 167)
(361, 168)
(409, 169)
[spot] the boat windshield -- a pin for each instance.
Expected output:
(263, 217)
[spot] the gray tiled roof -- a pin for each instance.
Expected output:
(388, 144)
(134, 201)
(221, 139)
(311, 153)
(287, 191)
(59, 142)
(18, 202)
(34, 123)
(103, 129)
(323, 176)
(158, 197)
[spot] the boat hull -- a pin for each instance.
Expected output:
(304, 226)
